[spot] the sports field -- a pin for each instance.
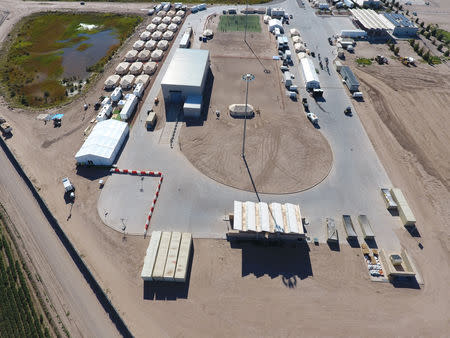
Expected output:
(236, 23)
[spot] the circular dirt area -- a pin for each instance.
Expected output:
(285, 157)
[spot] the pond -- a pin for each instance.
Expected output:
(77, 58)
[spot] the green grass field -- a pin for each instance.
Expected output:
(236, 23)
(31, 65)
(18, 314)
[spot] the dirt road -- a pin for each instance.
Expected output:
(69, 293)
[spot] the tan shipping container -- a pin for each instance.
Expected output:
(160, 264)
(404, 211)
(183, 257)
(172, 255)
(150, 258)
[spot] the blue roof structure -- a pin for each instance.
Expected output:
(399, 20)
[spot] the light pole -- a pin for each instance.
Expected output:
(247, 78)
(245, 29)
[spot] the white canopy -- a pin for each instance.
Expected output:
(208, 33)
(166, 20)
(145, 35)
(171, 13)
(127, 81)
(150, 67)
(294, 32)
(136, 68)
(139, 45)
(180, 13)
(172, 27)
(162, 27)
(157, 55)
(176, 19)
(122, 68)
(168, 36)
(156, 36)
(163, 44)
(112, 81)
(144, 79)
(297, 39)
(144, 55)
(151, 28)
(151, 45)
(299, 47)
(103, 143)
(156, 20)
(131, 55)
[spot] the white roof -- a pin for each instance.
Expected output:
(143, 78)
(187, 67)
(308, 70)
(151, 27)
(277, 214)
(103, 140)
(151, 44)
(371, 19)
(264, 216)
(237, 221)
(139, 45)
(251, 216)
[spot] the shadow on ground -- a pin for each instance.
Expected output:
(405, 283)
(289, 260)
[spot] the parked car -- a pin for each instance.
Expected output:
(348, 111)
(313, 118)
(305, 104)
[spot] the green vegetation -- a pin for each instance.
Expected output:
(84, 46)
(443, 36)
(32, 61)
(18, 314)
(236, 23)
(364, 61)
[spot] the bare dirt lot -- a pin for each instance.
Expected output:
(284, 151)
(436, 13)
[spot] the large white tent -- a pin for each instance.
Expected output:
(112, 81)
(150, 45)
(131, 55)
(309, 73)
(150, 67)
(127, 81)
(145, 36)
(122, 68)
(156, 20)
(176, 20)
(143, 78)
(157, 55)
(162, 27)
(151, 27)
(139, 45)
(136, 68)
(103, 143)
(156, 35)
(144, 55)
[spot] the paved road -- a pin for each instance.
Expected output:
(68, 290)
(190, 201)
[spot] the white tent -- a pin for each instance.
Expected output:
(145, 35)
(131, 55)
(151, 28)
(122, 68)
(156, 20)
(172, 27)
(301, 55)
(150, 67)
(266, 19)
(156, 36)
(163, 44)
(167, 36)
(162, 27)
(157, 55)
(309, 73)
(166, 20)
(112, 81)
(127, 81)
(275, 23)
(103, 143)
(139, 45)
(297, 39)
(176, 20)
(144, 79)
(136, 68)
(144, 55)
(294, 32)
(151, 45)
(171, 13)
(162, 13)
(181, 13)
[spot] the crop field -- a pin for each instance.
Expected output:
(18, 314)
(32, 62)
(236, 23)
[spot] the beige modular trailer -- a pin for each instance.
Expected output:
(183, 257)
(172, 255)
(161, 258)
(404, 211)
(150, 258)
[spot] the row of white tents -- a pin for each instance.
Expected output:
(126, 81)
(136, 68)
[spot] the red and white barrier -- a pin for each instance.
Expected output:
(144, 173)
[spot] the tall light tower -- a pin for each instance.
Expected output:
(247, 78)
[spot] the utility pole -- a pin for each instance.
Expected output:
(247, 78)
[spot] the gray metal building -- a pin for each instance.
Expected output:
(403, 27)
(186, 77)
(350, 79)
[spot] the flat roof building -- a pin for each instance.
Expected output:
(350, 79)
(372, 22)
(186, 75)
(403, 27)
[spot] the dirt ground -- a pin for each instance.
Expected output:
(436, 13)
(285, 153)
(257, 291)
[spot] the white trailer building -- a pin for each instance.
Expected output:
(186, 76)
(129, 107)
(309, 73)
(275, 23)
(103, 143)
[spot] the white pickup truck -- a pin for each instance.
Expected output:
(68, 186)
